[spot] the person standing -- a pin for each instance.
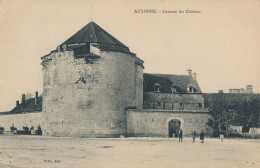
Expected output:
(221, 135)
(32, 128)
(180, 135)
(202, 136)
(193, 135)
(39, 131)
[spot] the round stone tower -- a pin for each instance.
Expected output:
(88, 83)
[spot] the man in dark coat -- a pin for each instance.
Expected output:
(193, 135)
(180, 135)
(202, 136)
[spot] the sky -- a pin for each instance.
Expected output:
(221, 43)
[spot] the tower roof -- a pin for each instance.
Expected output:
(93, 33)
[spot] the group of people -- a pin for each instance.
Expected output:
(26, 130)
(202, 135)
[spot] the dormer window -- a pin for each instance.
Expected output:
(191, 89)
(173, 88)
(157, 87)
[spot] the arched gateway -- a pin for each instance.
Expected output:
(174, 124)
(173, 128)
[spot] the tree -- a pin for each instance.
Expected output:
(247, 113)
(234, 109)
(221, 113)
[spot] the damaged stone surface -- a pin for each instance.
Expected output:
(89, 99)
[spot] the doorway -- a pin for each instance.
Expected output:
(174, 127)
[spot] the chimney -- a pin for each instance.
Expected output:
(58, 48)
(36, 98)
(189, 72)
(17, 103)
(23, 99)
(64, 47)
(195, 76)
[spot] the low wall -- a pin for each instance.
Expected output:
(20, 120)
(253, 132)
(155, 123)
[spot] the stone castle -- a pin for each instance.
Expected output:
(93, 86)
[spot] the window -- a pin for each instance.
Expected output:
(157, 87)
(81, 49)
(173, 88)
(152, 119)
(200, 105)
(191, 89)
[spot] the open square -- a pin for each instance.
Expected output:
(36, 151)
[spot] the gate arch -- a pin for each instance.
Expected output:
(173, 125)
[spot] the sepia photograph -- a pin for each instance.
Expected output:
(129, 84)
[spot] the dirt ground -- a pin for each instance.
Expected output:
(36, 151)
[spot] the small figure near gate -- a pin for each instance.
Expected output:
(202, 136)
(32, 128)
(221, 135)
(2, 130)
(193, 135)
(39, 131)
(180, 135)
(13, 129)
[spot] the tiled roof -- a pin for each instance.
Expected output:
(181, 83)
(92, 33)
(29, 106)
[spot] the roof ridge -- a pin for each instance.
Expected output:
(94, 30)
(167, 74)
(93, 33)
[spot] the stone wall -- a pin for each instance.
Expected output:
(155, 100)
(139, 86)
(19, 120)
(89, 99)
(154, 123)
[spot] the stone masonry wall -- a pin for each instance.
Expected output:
(154, 123)
(88, 100)
(154, 100)
(19, 120)
(139, 86)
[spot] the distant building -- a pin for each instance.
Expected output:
(248, 90)
(220, 91)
